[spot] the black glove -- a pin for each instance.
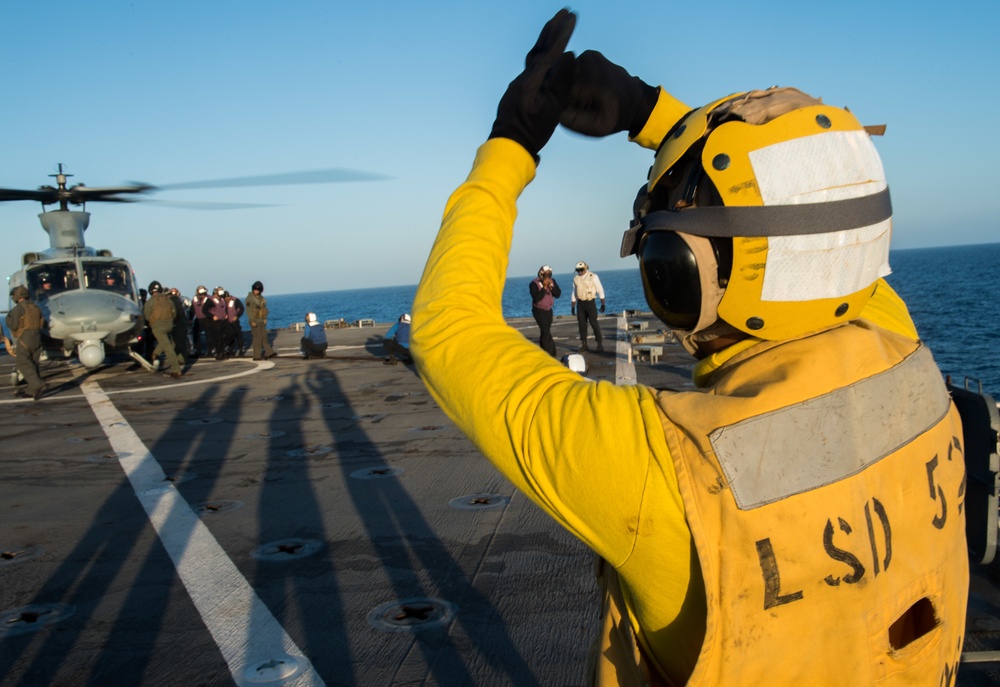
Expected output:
(572, 310)
(602, 306)
(529, 111)
(607, 99)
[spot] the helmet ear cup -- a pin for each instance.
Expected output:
(670, 279)
(684, 277)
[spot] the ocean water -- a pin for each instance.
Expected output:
(953, 294)
(385, 304)
(954, 298)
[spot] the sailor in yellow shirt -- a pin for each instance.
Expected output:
(796, 521)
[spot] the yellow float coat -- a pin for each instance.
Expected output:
(823, 481)
(596, 458)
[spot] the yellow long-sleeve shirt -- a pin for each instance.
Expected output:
(558, 437)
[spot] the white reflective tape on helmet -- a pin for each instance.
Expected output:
(812, 169)
(802, 268)
(824, 167)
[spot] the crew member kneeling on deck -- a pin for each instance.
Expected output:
(314, 343)
(397, 341)
(775, 527)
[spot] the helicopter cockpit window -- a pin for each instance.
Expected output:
(48, 280)
(108, 277)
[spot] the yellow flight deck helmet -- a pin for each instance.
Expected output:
(768, 210)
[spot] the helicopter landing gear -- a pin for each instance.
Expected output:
(142, 361)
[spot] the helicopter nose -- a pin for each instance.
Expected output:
(92, 310)
(84, 316)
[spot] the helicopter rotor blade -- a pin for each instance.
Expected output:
(80, 194)
(45, 195)
(75, 194)
(319, 176)
(76, 200)
(97, 192)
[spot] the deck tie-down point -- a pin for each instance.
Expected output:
(412, 615)
(377, 472)
(479, 501)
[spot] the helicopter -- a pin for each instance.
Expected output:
(88, 296)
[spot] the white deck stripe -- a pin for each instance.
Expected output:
(253, 643)
(79, 370)
(259, 365)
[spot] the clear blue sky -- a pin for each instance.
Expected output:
(179, 91)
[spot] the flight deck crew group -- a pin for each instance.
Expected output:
(174, 328)
(177, 326)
